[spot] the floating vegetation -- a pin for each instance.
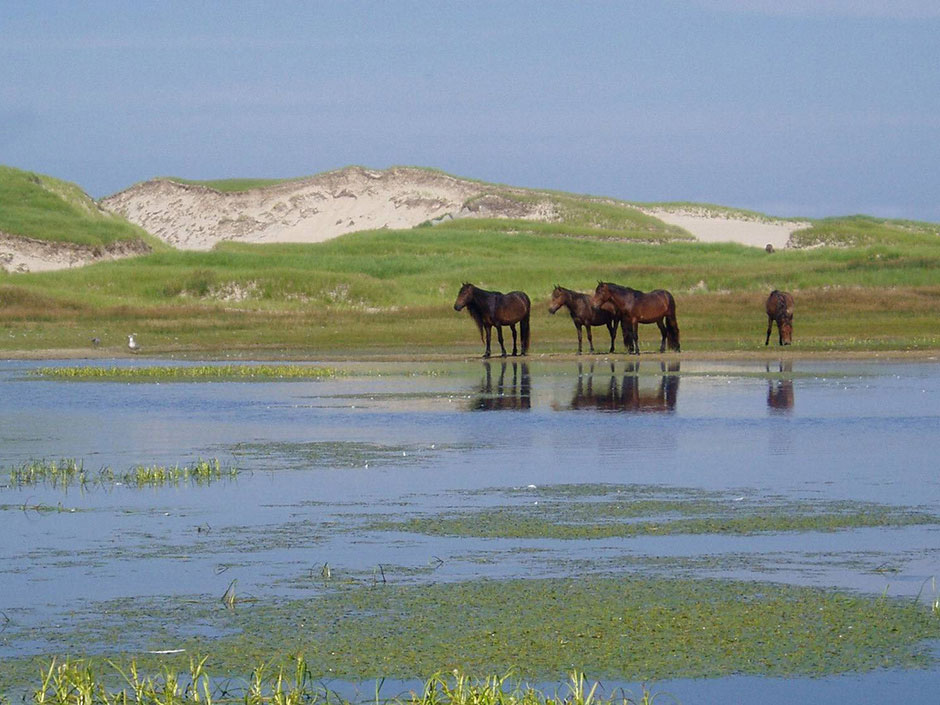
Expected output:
(622, 627)
(74, 682)
(598, 512)
(71, 473)
(181, 373)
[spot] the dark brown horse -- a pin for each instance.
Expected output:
(780, 309)
(635, 307)
(584, 313)
(492, 308)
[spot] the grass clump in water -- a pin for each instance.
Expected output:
(57, 473)
(200, 373)
(71, 473)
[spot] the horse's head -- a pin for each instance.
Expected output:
(559, 298)
(601, 295)
(464, 296)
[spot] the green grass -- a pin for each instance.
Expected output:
(44, 208)
(393, 291)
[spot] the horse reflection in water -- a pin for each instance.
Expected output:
(515, 395)
(780, 390)
(626, 393)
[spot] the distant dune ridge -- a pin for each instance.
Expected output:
(197, 216)
(193, 216)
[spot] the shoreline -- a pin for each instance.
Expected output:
(244, 356)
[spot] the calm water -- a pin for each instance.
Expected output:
(406, 439)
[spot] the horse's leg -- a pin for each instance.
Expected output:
(499, 337)
(512, 327)
(780, 331)
(662, 332)
(635, 334)
(625, 330)
(612, 329)
(577, 327)
(770, 325)
(590, 340)
(489, 331)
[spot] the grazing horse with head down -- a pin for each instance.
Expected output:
(779, 308)
(635, 307)
(492, 308)
(584, 313)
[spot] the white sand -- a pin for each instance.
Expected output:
(307, 210)
(24, 254)
(718, 226)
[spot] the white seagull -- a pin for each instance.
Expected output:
(132, 344)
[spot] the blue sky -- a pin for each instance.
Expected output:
(807, 107)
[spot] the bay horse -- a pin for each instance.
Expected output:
(493, 308)
(584, 313)
(635, 307)
(779, 308)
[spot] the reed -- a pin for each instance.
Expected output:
(75, 682)
(71, 473)
(66, 472)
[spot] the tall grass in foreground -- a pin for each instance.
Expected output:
(75, 683)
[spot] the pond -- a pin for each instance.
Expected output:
(421, 474)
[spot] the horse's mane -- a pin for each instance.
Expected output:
(473, 309)
(620, 288)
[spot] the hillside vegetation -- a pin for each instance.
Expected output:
(43, 208)
(392, 291)
(860, 283)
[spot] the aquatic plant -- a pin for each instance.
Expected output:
(195, 373)
(202, 472)
(57, 473)
(633, 511)
(70, 473)
(75, 682)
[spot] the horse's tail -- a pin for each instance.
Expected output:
(524, 326)
(672, 324)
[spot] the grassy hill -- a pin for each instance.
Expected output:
(860, 283)
(43, 208)
(392, 292)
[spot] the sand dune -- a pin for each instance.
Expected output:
(308, 210)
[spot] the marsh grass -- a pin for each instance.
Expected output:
(66, 472)
(76, 682)
(199, 373)
(71, 473)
